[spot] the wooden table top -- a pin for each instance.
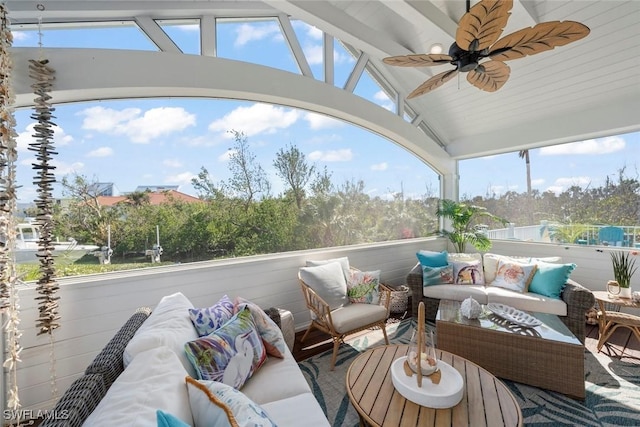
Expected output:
(486, 400)
(604, 296)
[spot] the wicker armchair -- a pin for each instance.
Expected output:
(578, 299)
(345, 320)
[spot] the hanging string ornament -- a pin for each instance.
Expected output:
(9, 303)
(46, 286)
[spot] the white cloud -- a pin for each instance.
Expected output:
(384, 101)
(172, 163)
(139, 128)
(343, 155)
(224, 157)
(380, 166)
(100, 152)
(63, 168)
(590, 146)
(537, 182)
(314, 54)
(181, 178)
(255, 119)
(318, 121)
(247, 33)
(314, 32)
(20, 35)
(60, 138)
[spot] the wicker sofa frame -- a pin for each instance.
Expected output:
(578, 299)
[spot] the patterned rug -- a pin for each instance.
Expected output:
(612, 387)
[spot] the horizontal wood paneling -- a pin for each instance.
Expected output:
(94, 307)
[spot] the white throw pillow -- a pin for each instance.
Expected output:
(328, 281)
(153, 380)
(169, 324)
(514, 276)
(344, 263)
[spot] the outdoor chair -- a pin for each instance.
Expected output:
(612, 236)
(324, 289)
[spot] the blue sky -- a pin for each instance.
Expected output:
(167, 141)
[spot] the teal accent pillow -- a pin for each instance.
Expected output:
(165, 419)
(432, 259)
(432, 276)
(549, 279)
(231, 354)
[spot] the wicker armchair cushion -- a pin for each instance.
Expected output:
(350, 317)
(344, 263)
(328, 281)
(80, 399)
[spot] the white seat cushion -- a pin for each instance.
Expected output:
(300, 410)
(328, 282)
(456, 292)
(527, 301)
(354, 316)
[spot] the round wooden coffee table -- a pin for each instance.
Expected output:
(486, 400)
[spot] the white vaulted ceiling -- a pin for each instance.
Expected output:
(589, 88)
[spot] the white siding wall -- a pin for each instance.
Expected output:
(94, 307)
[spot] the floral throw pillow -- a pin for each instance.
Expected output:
(432, 276)
(468, 272)
(271, 334)
(513, 275)
(231, 354)
(364, 286)
(207, 320)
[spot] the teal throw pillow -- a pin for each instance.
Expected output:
(432, 276)
(164, 419)
(432, 259)
(549, 279)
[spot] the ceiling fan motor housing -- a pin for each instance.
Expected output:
(464, 61)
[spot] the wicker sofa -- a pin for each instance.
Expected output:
(286, 403)
(577, 298)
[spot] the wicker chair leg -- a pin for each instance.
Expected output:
(334, 356)
(306, 334)
(384, 332)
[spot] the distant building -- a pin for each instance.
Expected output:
(153, 188)
(155, 198)
(103, 189)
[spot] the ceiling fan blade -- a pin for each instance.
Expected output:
(479, 28)
(434, 82)
(542, 37)
(489, 76)
(419, 60)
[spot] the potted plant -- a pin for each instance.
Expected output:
(623, 268)
(463, 229)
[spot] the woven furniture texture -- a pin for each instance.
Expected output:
(80, 399)
(578, 299)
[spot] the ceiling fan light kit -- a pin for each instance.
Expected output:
(478, 38)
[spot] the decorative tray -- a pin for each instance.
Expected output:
(513, 315)
(446, 394)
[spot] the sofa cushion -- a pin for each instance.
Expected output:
(328, 281)
(307, 411)
(216, 404)
(432, 276)
(514, 275)
(432, 259)
(283, 372)
(490, 264)
(527, 301)
(347, 318)
(549, 279)
(207, 320)
(363, 287)
(270, 333)
(456, 293)
(468, 272)
(153, 380)
(170, 325)
(344, 263)
(230, 354)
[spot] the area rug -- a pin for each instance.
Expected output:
(612, 387)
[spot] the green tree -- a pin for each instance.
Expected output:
(292, 167)
(248, 179)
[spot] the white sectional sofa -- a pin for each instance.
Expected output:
(141, 376)
(569, 304)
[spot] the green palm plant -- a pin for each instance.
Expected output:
(623, 268)
(463, 229)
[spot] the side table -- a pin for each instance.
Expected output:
(609, 321)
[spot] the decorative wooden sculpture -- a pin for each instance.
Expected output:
(47, 286)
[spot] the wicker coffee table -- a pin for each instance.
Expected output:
(548, 356)
(486, 401)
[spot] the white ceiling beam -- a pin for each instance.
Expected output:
(294, 45)
(356, 72)
(424, 13)
(208, 41)
(327, 56)
(156, 34)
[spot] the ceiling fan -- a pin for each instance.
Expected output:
(477, 39)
